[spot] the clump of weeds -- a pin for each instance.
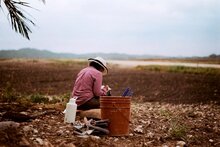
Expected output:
(165, 113)
(8, 94)
(177, 129)
(38, 98)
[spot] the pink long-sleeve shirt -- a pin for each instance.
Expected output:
(88, 85)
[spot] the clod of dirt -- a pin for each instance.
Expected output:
(9, 133)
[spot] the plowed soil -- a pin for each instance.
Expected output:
(54, 78)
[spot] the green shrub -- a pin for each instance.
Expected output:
(37, 98)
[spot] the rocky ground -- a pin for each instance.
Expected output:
(152, 124)
(168, 109)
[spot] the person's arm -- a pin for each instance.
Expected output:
(97, 86)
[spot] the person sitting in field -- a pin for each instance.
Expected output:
(88, 85)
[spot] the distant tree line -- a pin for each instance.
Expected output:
(214, 56)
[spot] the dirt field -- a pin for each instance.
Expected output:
(57, 78)
(162, 103)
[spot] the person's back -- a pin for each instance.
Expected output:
(88, 84)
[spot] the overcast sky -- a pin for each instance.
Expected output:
(156, 27)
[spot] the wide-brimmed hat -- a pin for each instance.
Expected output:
(101, 62)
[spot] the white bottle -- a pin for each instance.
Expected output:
(70, 111)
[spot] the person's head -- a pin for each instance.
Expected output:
(99, 63)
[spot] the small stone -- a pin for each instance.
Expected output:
(180, 143)
(58, 140)
(47, 144)
(143, 121)
(131, 134)
(95, 137)
(211, 140)
(40, 141)
(50, 98)
(27, 128)
(42, 133)
(35, 131)
(149, 142)
(189, 136)
(24, 142)
(24, 113)
(139, 129)
(116, 139)
(59, 133)
(150, 135)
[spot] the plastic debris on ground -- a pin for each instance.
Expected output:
(91, 127)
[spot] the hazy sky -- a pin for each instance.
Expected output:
(156, 27)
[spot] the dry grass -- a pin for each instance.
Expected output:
(188, 60)
(180, 69)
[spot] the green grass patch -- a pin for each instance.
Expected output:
(165, 113)
(179, 69)
(46, 99)
(37, 98)
(178, 130)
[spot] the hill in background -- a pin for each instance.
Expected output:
(36, 53)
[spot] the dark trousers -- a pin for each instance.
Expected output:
(91, 104)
